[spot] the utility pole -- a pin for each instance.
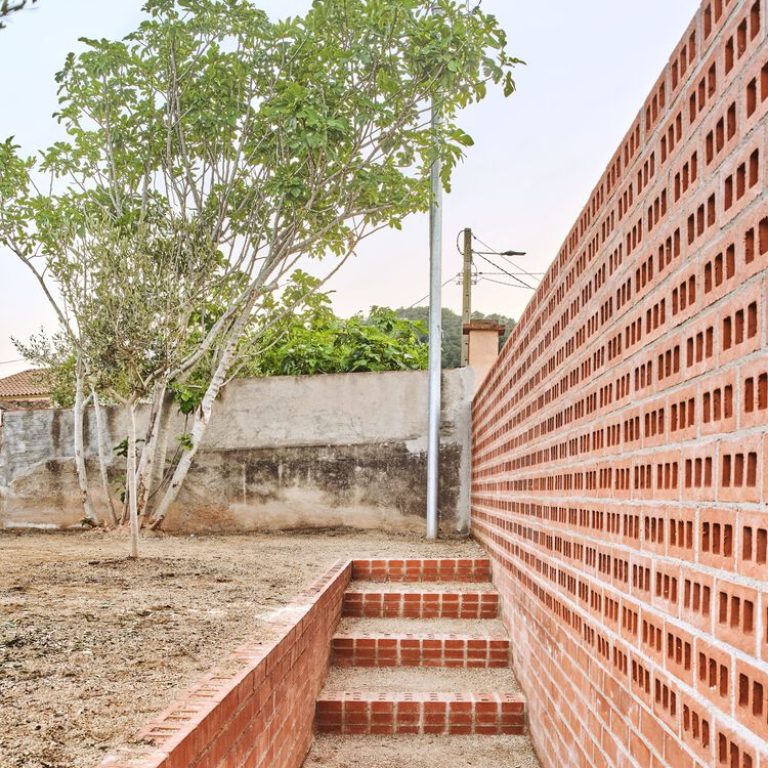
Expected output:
(435, 325)
(466, 307)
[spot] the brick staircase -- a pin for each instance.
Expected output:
(420, 651)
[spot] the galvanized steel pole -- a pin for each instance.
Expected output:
(435, 330)
(466, 304)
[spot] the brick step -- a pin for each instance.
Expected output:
(462, 627)
(382, 649)
(388, 713)
(330, 751)
(406, 602)
(436, 587)
(412, 570)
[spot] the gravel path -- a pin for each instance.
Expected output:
(93, 645)
(395, 626)
(422, 679)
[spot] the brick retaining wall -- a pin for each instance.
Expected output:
(620, 444)
(257, 710)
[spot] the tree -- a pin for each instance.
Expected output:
(312, 340)
(7, 7)
(226, 148)
(453, 332)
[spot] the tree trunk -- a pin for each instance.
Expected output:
(126, 503)
(203, 415)
(133, 507)
(149, 451)
(157, 479)
(82, 476)
(103, 458)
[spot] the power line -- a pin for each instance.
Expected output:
(522, 283)
(506, 258)
(499, 282)
(449, 280)
(11, 362)
(517, 274)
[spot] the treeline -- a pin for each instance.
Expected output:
(452, 329)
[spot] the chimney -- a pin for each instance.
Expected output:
(483, 347)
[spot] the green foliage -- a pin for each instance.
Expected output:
(56, 363)
(185, 441)
(62, 378)
(209, 152)
(452, 330)
(310, 339)
(212, 146)
(340, 92)
(7, 7)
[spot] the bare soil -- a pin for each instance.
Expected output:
(93, 645)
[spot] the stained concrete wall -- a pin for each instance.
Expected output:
(279, 453)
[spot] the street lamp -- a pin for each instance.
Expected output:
(502, 253)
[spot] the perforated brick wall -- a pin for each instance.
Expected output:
(620, 444)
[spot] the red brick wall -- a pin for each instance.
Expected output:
(257, 709)
(620, 444)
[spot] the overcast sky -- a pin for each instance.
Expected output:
(537, 156)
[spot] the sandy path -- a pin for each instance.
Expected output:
(422, 752)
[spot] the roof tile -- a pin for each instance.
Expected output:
(30, 383)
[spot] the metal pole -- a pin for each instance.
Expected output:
(466, 313)
(435, 331)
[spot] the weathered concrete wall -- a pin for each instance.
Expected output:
(279, 453)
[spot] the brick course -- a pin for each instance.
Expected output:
(413, 650)
(421, 605)
(620, 443)
(447, 714)
(413, 570)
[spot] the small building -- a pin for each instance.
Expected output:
(28, 390)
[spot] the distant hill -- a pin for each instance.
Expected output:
(452, 330)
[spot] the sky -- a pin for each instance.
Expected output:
(537, 155)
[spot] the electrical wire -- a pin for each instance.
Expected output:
(499, 282)
(521, 282)
(503, 256)
(517, 274)
(449, 280)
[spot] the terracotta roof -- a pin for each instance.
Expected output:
(31, 383)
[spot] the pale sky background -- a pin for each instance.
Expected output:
(590, 65)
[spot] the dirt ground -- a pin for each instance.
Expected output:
(93, 645)
(422, 752)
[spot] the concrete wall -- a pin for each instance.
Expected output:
(620, 443)
(279, 453)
